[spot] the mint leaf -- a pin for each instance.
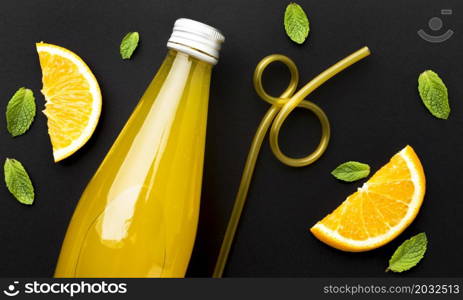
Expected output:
(18, 182)
(434, 94)
(408, 254)
(129, 44)
(20, 112)
(351, 171)
(296, 23)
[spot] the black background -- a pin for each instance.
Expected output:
(373, 107)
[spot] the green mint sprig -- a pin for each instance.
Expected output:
(296, 23)
(434, 94)
(129, 44)
(18, 182)
(409, 254)
(351, 171)
(20, 111)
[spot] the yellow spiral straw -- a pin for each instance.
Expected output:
(276, 115)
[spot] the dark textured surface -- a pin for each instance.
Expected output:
(373, 107)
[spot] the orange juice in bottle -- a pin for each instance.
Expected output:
(138, 215)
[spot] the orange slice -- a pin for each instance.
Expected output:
(73, 99)
(380, 210)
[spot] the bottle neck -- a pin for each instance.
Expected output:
(192, 52)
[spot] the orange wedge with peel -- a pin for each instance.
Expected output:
(73, 98)
(378, 211)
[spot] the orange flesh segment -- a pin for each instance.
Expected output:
(73, 99)
(380, 210)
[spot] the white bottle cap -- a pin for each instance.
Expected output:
(196, 39)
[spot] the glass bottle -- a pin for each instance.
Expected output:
(138, 215)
